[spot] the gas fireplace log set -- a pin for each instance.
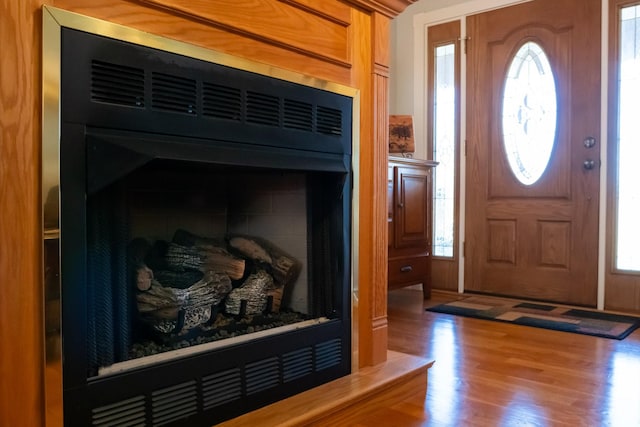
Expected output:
(186, 283)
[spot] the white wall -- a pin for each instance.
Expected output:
(408, 44)
(403, 61)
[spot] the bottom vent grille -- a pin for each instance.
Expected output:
(262, 375)
(174, 403)
(129, 412)
(328, 354)
(297, 364)
(222, 387)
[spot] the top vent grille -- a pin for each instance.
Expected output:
(329, 121)
(262, 109)
(229, 99)
(117, 84)
(222, 102)
(173, 93)
(298, 115)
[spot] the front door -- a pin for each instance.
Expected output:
(533, 123)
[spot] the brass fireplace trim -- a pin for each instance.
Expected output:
(53, 20)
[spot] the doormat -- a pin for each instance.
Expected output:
(542, 315)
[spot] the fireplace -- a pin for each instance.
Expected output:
(205, 236)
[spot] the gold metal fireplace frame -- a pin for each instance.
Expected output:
(53, 20)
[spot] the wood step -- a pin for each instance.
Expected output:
(347, 399)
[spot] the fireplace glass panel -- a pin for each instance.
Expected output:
(182, 255)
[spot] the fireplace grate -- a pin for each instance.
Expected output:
(130, 412)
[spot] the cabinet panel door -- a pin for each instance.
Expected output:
(411, 204)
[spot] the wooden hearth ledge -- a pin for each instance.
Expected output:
(348, 399)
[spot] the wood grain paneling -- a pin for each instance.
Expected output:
(501, 240)
(555, 243)
(333, 11)
(388, 8)
(21, 294)
(275, 23)
(201, 32)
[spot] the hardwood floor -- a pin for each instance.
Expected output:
(494, 374)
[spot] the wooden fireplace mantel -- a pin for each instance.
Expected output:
(336, 41)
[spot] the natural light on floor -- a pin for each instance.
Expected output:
(628, 200)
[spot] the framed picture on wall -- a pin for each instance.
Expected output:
(401, 139)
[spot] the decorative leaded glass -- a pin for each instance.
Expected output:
(529, 113)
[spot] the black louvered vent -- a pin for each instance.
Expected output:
(298, 115)
(329, 121)
(129, 412)
(263, 109)
(221, 387)
(173, 93)
(262, 375)
(328, 353)
(297, 364)
(221, 102)
(117, 84)
(174, 403)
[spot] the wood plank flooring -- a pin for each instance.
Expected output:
(494, 374)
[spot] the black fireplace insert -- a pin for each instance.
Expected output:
(205, 236)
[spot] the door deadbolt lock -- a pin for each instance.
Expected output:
(589, 164)
(589, 142)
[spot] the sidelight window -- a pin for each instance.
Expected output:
(628, 198)
(444, 130)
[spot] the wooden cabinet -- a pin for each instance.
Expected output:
(409, 221)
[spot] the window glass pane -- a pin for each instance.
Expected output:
(444, 123)
(529, 113)
(628, 197)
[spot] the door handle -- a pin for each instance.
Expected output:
(589, 142)
(589, 164)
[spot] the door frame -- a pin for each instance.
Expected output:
(421, 23)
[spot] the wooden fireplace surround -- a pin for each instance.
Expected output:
(346, 42)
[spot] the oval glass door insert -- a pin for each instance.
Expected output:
(529, 113)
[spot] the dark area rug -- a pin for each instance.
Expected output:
(542, 315)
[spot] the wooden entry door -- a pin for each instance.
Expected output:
(534, 240)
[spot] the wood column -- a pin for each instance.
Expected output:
(21, 293)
